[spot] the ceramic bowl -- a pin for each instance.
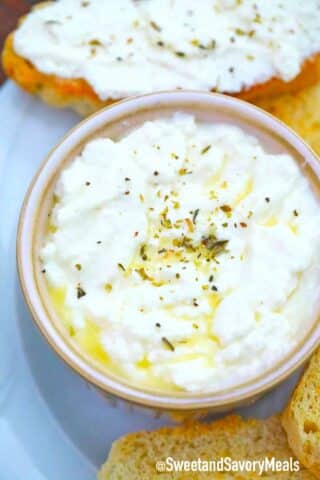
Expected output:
(115, 121)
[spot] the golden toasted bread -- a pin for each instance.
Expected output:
(299, 111)
(135, 456)
(79, 95)
(301, 418)
(57, 92)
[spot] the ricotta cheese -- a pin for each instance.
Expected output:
(127, 47)
(184, 255)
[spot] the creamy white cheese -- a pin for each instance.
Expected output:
(192, 251)
(127, 47)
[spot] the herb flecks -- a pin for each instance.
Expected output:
(168, 344)
(143, 253)
(240, 32)
(155, 26)
(52, 22)
(226, 208)
(216, 247)
(121, 267)
(184, 171)
(209, 46)
(195, 214)
(108, 287)
(95, 43)
(80, 292)
(165, 221)
(189, 225)
(205, 149)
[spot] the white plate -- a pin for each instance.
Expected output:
(53, 425)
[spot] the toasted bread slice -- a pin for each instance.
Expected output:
(309, 75)
(299, 111)
(134, 456)
(57, 92)
(301, 418)
(79, 95)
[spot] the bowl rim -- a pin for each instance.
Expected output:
(25, 262)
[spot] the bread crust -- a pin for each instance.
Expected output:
(301, 418)
(308, 76)
(79, 95)
(300, 111)
(135, 455)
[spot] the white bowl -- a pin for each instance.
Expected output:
(116, 119)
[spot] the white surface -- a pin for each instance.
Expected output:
(42, 434)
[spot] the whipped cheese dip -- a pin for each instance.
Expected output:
(127, 47)
(184, 255)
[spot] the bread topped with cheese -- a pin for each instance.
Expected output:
(88, 53)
